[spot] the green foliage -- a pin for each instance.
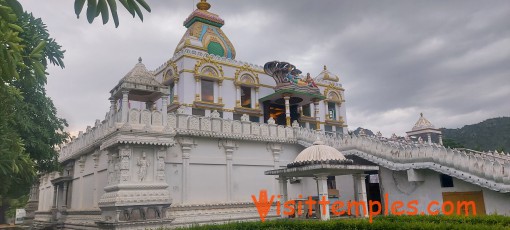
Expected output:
(29, 127)
(101, 7)
(452, 144)
(380, 222)
(489, 135)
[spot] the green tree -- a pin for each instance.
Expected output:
(30, 130)
(29, 127)
(101, 7)
(452, 144)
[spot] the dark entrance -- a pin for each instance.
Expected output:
(277, 111)
(373, 188)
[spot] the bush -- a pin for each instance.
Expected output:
(379, 223)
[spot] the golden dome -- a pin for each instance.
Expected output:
(203, 5)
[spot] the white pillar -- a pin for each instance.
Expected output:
(322, 184)
(282, 182)
(229, 153)
(186, 145)
(326, 110)
(175, 91)
(429, 138)
(287, 109)
(125, 104)
(441, 139)
(238, 96)
(317, 118)
(164, 108)
(220, 94)
(112, 106)
(360, 192)
(197, 89)
(55, 193)
(257, 98)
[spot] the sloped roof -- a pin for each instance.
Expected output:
(422, 123)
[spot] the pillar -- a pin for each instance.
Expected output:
(322, 184)
(316, 114)
(112, 106)
(164, 108)
(282, 182)
(287, 109)
(229, 146)
(326, 110)
(220, 94)
(55, 193)
(125, 105)
(176, 90)
(257, 105)
(441, 139)
(238, 96)
(229, 157)
(64, 195)
(360, 192)
(429, 138)
(197, 89)
(186, 145)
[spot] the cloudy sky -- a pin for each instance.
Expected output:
(447, 59)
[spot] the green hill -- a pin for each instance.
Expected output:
(491, 134)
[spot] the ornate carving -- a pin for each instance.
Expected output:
(81, 162)
(125, 155)
(143, 164)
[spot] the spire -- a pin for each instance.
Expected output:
(204, 33)
(422, 123)
(203, 5)
(326, 75)
(139, 59)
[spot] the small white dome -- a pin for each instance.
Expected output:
(319, 153)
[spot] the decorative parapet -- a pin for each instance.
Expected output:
(150, 122)
(486, 169)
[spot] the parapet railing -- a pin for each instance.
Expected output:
(487, 169)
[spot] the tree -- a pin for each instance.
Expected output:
(452, 143)
(30, 130)
(29, 127)
(101, 7)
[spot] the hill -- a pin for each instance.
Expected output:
(491, 134)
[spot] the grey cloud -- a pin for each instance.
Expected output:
(448, 59)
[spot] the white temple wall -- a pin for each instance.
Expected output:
(430, 189)
(208, 178)
(345, 187)
(45, 195)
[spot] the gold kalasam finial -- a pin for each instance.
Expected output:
(203, 5)
(139, 59)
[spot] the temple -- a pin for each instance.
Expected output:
(191, 141)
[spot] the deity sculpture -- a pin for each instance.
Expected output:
(309, 80)
(142, 164)
(287, 76)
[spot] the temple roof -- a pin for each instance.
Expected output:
(204, 33)
(140, 75)
(423, 123)
(139, 81)
(326, 75)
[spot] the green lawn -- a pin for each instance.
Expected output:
(381, 222)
